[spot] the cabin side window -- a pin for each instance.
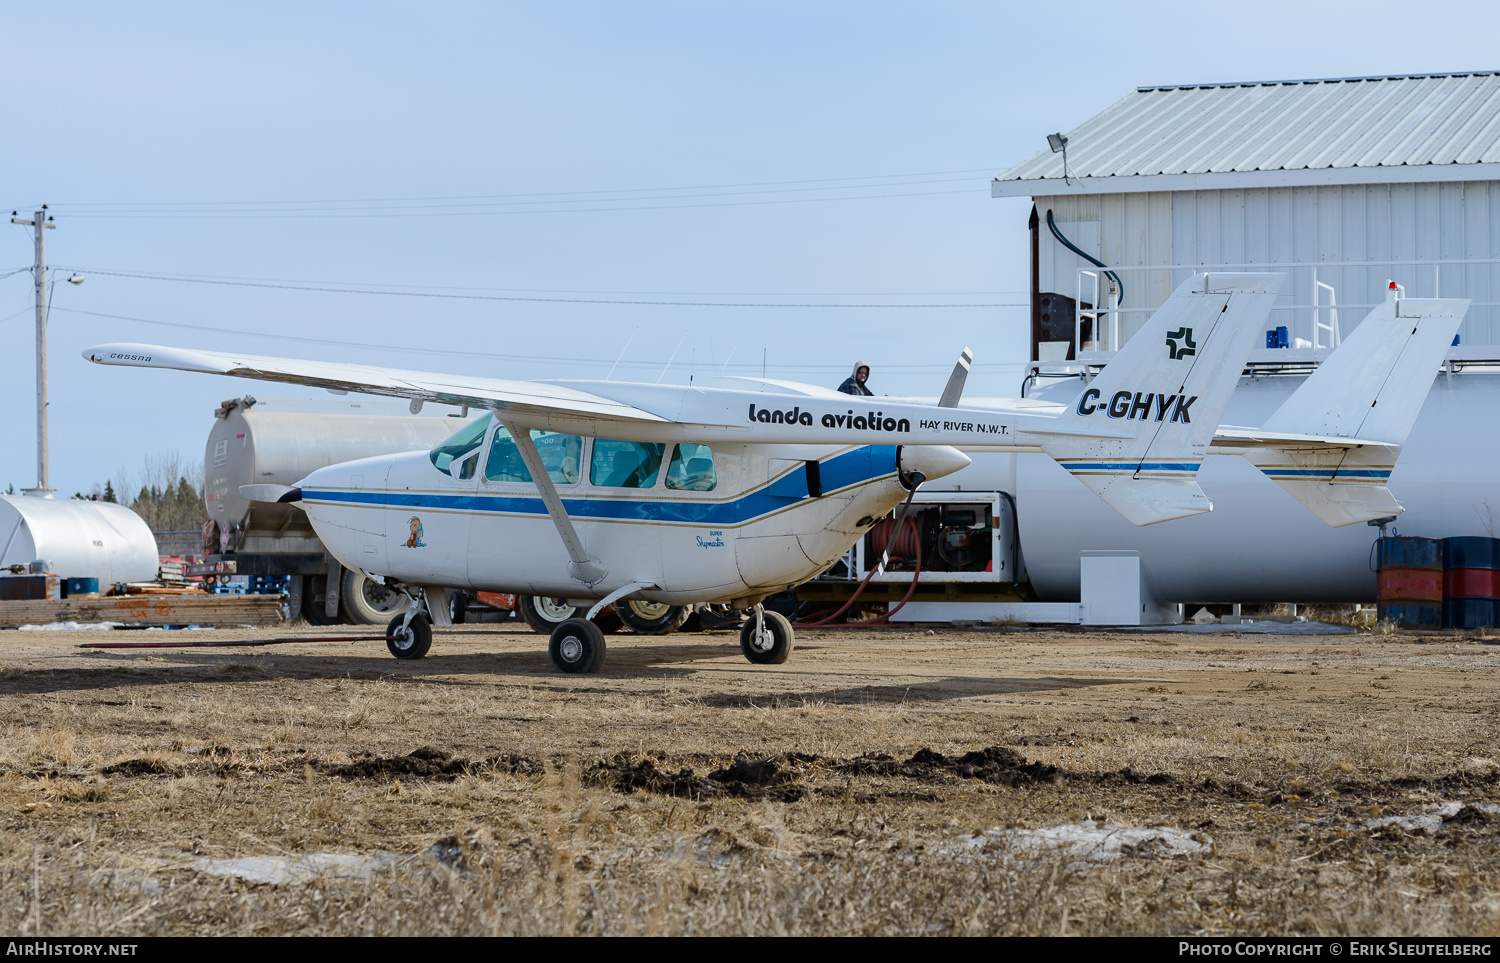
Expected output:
(560, 455)
(692, 469)
(625, 464)
(450, 457)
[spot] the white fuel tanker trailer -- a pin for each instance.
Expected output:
(1012, 527)
(1258, 544)
(280, 442)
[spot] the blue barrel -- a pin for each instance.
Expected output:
(80, 586)
(1408, 552)
(1471, 613)
(1471, 551)
(1409, 586)
(1412, 613)
(1471, 582)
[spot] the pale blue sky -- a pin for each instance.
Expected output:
(199, 109)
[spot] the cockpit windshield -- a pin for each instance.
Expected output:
(460, 443)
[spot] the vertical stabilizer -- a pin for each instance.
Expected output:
(1370, 389)
(1167, 388)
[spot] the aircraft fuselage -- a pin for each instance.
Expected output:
(761, 529)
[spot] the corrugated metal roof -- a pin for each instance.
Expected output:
(1341, 125)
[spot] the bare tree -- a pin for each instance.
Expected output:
(168, 494)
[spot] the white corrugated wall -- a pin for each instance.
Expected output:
(1312, 226)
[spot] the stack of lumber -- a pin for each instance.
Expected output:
(190, 608)
(170, 572)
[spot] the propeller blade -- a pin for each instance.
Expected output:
(916, 478)
(954, 390)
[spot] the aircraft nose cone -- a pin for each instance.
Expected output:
(934, 461)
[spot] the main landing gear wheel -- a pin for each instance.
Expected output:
(651, 618)
(769, 643)
(411, 641)
(577, 646)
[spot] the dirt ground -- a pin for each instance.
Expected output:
(908, 781)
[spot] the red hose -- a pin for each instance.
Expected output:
(909, 539)
(218, 643)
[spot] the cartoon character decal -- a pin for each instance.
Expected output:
(415, 539)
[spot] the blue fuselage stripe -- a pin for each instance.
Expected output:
(851, 468)
(1129, 466)
(1326, 472)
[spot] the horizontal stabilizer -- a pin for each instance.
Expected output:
(276, 494)
(1146, 501)
(1333, 444)
(1229, 441)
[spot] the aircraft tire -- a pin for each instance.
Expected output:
(366, 602)
(414, 640)
(544, 614)
(312, 601)
(773, 651)
(576, 646)
(651, 618)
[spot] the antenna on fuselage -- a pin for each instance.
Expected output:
(729, 359)
(671, 359)
(622, 352)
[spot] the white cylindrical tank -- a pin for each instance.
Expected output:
(81, 539)
(1259, 544)
(280, 442)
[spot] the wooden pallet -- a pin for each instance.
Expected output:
(188, 609)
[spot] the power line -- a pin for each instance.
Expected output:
(399, 205)
(489, 213)
(176, 275)
(508, 356)
(550, 194)
(529, 299)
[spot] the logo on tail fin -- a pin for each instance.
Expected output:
(1189, 346)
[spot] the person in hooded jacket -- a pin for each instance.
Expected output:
(855, 384)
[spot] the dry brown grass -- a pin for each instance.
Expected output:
(121, 775)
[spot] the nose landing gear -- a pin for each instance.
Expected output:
(766, 637)
(410, 636)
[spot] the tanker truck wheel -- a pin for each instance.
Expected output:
(366, 602)
(651, 618)
(312, 600)
(545, 614)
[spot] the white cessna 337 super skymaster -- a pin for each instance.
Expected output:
(601, 491)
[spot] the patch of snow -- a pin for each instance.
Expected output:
(68, 626)
(280, 870)
(1432, 820)
(1086, 842)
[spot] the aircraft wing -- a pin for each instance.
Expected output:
(518, 397)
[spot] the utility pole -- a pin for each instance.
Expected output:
(40, 223)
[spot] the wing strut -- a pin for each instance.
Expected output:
(583, 568)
